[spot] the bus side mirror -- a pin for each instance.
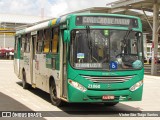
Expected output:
(66, 36)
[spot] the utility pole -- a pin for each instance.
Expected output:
(4, 40)
(42, 13)
(42, 9)
(155, 37)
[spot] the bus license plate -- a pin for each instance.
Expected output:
(107, 97)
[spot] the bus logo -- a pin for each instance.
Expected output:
(109, 86)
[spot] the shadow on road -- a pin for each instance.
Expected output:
(84, 109)
(95, 109)
(9, 104)
(38, 92)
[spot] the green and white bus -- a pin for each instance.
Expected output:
(83, 58)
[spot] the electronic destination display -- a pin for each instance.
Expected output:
(106, 20)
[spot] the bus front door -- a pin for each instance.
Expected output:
(63, 67)
(64, 82)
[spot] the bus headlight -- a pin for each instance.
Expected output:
(136, 86)
(77, 85)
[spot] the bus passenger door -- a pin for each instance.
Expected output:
(63, 66)
(64, 70)
(32, 60)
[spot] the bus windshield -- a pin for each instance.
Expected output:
(106, 49)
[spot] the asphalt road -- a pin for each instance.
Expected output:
(14, 98)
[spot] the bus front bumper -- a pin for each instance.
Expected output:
(75, 95)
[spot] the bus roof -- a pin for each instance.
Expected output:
(102, 14)
(62, 19)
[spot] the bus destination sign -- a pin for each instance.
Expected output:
(106, 20)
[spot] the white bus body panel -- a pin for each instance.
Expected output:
(26, 66)
(16, 66)
(43, 74)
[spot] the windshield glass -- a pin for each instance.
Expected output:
(106, 49)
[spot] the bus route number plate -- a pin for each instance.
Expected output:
(107, 97)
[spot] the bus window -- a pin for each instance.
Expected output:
(55, 40)
(133, 45)
(39, 46)
(23, 44)
(140, 43)
(27, 43)
(15, 44)
(47, 37)
(39, 41)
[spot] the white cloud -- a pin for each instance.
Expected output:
(74, 5)
(52, 8)
(57, 8)
(26, 7)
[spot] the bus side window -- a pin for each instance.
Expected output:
(47, 38)
(15, 44)
(27, 43)
(55, 39)
(39, 41)
(23, 44)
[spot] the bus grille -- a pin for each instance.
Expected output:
(108, 79)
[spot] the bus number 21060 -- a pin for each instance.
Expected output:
(93, 86)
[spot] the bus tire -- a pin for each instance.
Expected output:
(53, 95)
(24, 83)
(110, 103)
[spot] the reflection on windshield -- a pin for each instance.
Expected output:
(105, 49)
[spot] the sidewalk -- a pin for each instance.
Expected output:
(147, 69)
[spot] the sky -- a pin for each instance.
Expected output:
(52, 8)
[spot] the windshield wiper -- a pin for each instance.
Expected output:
(90, 46)
(124, 41)
(88, 37)
(127, 34)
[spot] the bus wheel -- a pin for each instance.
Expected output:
(24, 83)
(53, 95)
(110, 103)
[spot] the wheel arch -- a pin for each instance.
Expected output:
(23, 70)
(57, 85)
(51, 78)
(21, 73)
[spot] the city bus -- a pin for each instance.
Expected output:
(83, 58)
